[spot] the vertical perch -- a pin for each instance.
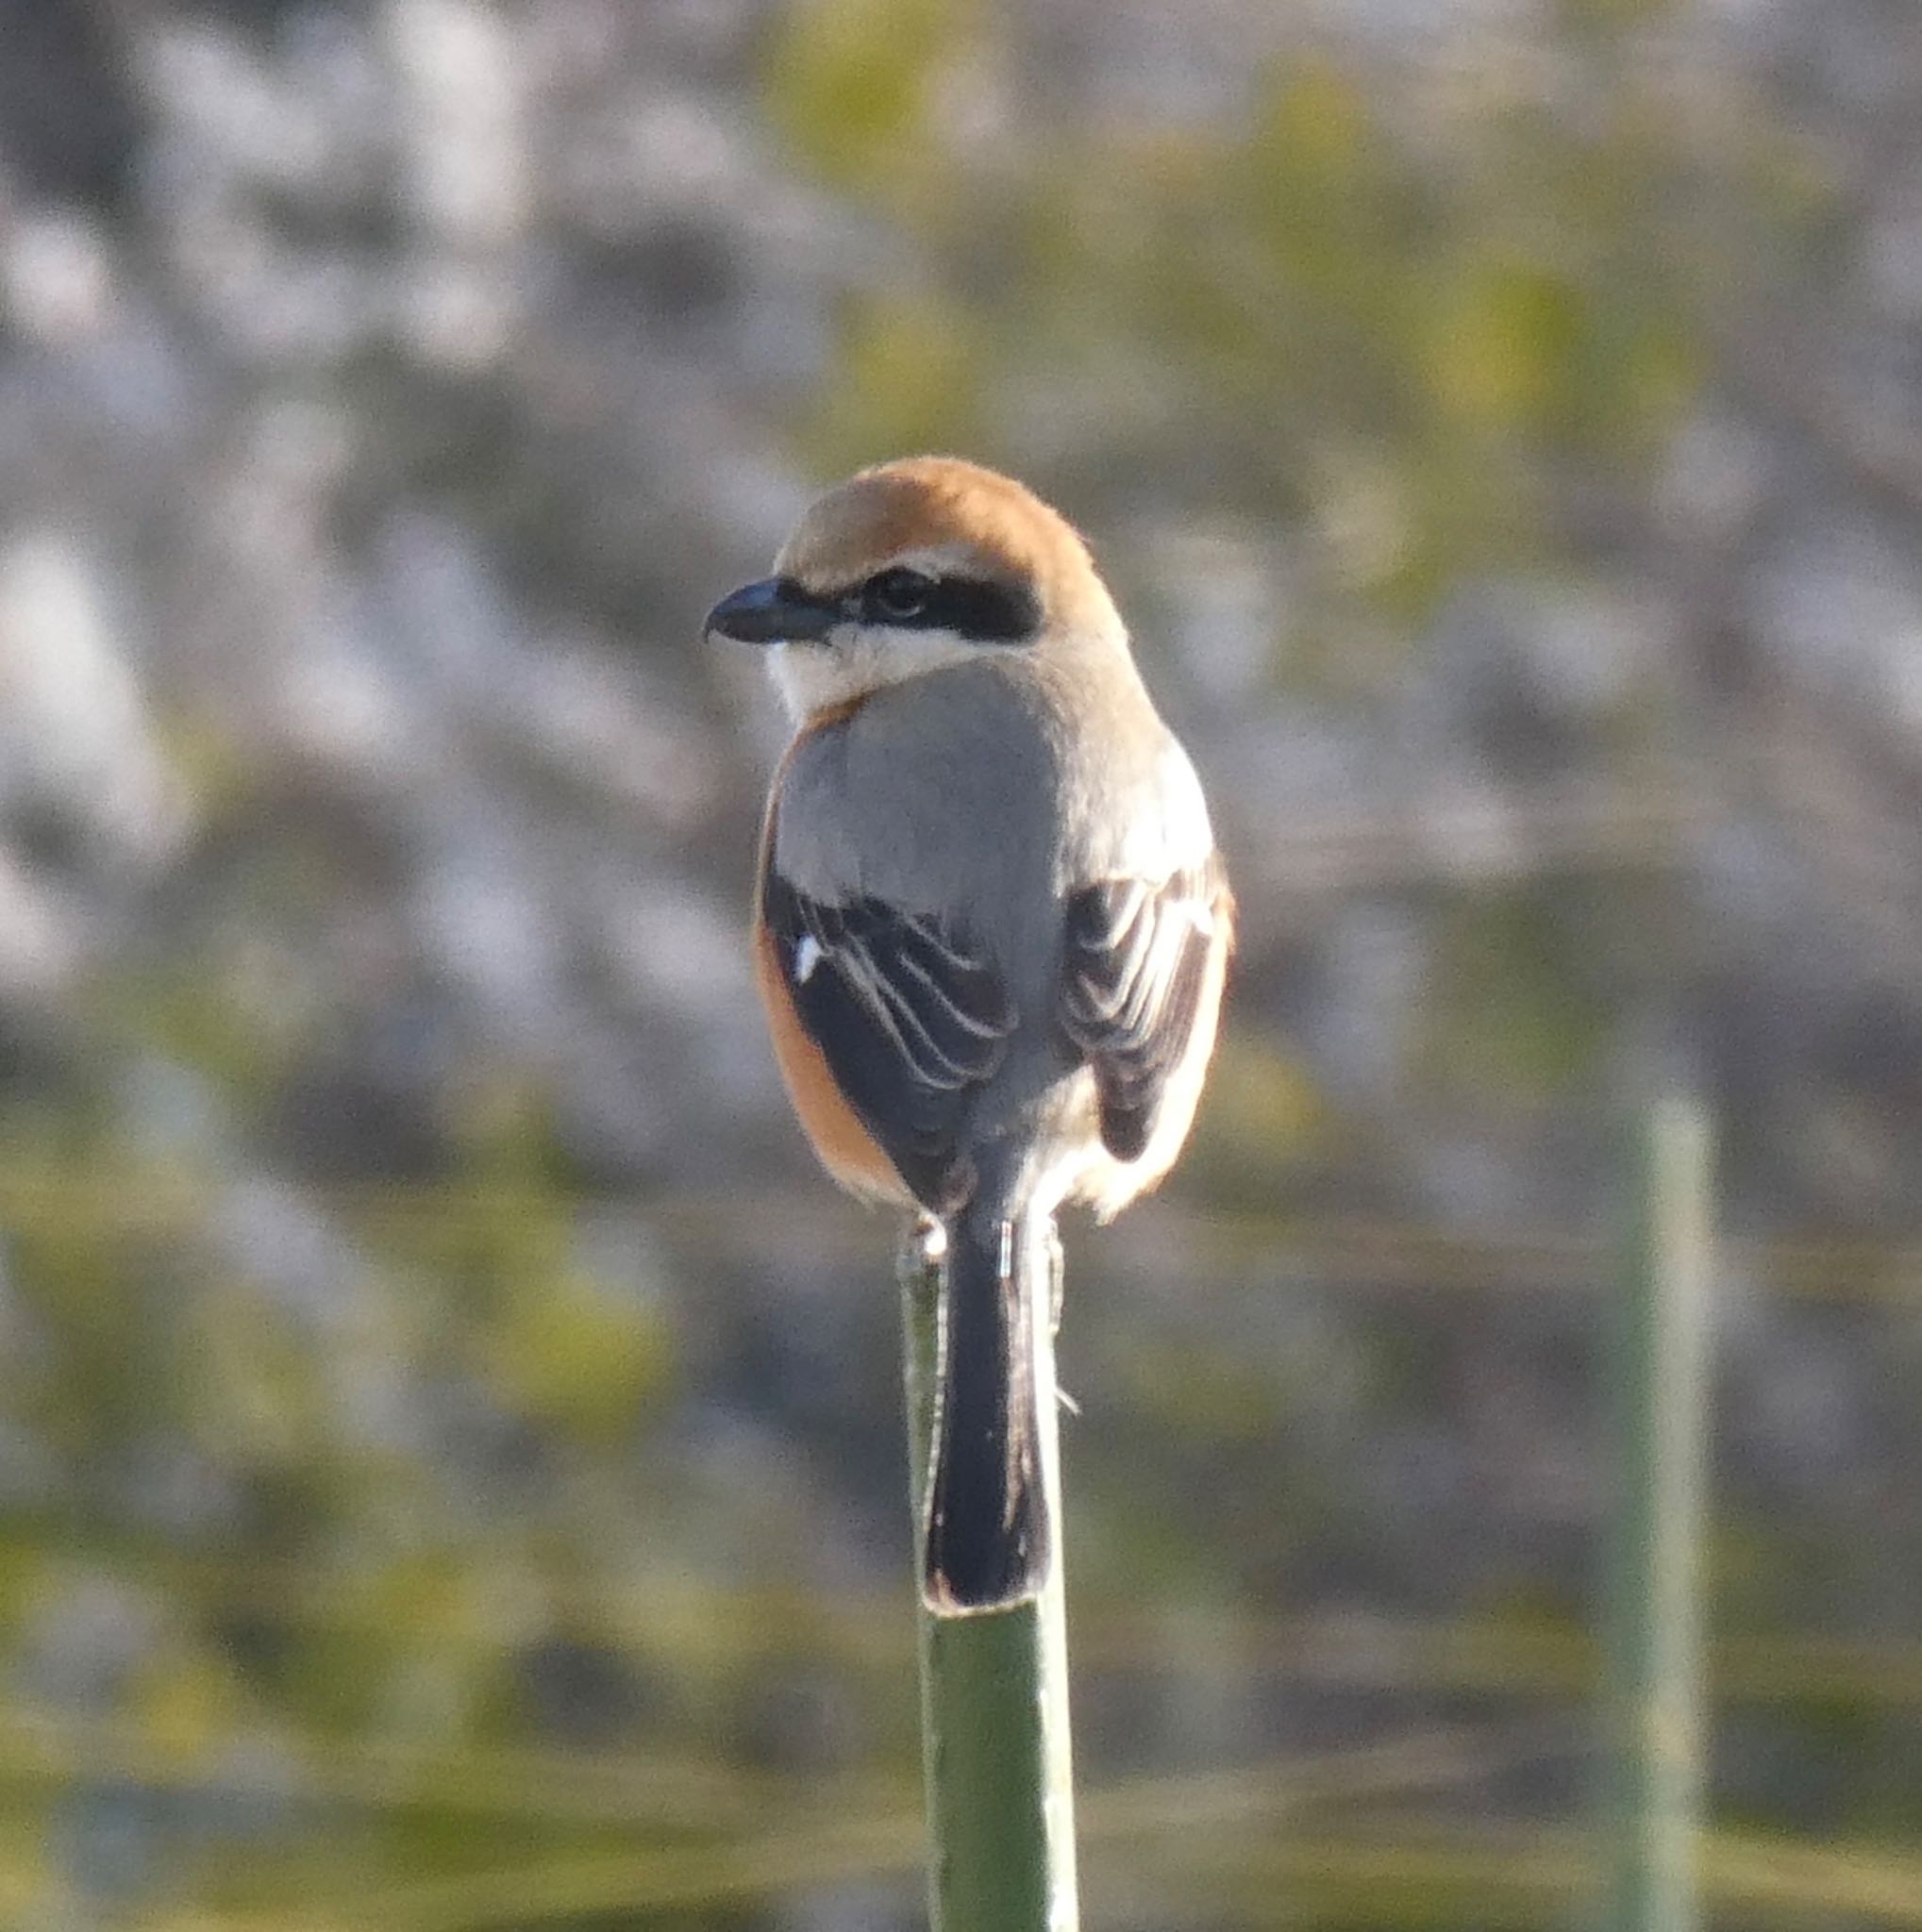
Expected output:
(994, 1687)
(1654, 1690)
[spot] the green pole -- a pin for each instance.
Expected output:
(1653, 1693)
(994, 1687)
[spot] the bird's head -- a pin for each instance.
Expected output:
(911, 567)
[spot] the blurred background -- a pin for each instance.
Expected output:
(450, 1460)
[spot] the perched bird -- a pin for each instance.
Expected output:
(989, 929)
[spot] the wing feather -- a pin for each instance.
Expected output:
(1135, 969)
(910, 1019)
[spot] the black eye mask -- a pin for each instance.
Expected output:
(978, 609)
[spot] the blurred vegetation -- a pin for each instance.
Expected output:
(1415, 361)
(449, 1471)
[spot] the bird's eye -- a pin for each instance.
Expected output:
(898, 593)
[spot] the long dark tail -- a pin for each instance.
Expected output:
(988, 1533)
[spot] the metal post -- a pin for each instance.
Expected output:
(1654, 1700)
(994, 1687)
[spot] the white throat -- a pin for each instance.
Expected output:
(812, 678)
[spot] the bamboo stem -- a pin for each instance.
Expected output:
(994, 1687)
(1654, 1691)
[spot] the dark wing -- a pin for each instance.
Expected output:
(1135, 972)
(910, 1020)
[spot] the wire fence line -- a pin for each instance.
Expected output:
(1521, 1876)
(757, 1836)
(1349, 1251)
(1638, 821)
(811, 1842)
(722, 1628)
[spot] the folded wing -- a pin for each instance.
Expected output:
(1135, 971)
(910, 1019)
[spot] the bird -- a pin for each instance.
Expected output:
(990, 929)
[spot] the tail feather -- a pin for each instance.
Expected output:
(988, 1538)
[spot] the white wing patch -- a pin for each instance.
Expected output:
(809, 952)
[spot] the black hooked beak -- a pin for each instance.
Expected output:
(776, 611)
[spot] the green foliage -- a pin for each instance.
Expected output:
(244, 1380)
(912, 373)
(1512, 1019)
(567, 1357)
(853, 84)
(1263, 1118)
(1308, 300)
